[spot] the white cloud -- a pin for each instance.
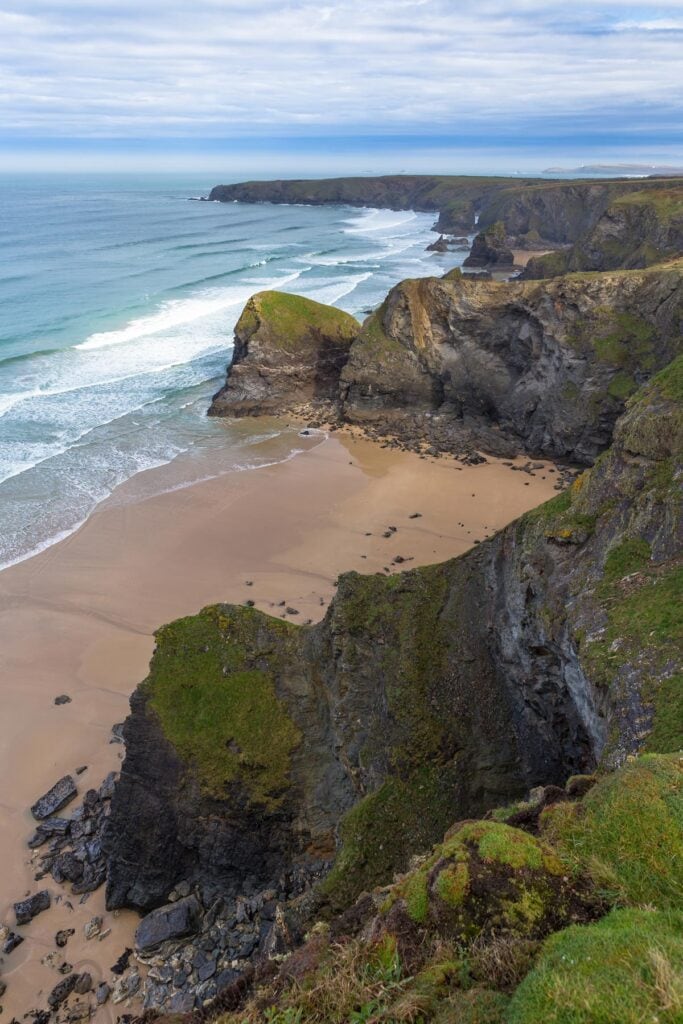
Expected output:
(220, 67)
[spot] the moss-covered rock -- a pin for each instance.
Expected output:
(627, 832)
(289, 350)
(625, 968)
(487, 879)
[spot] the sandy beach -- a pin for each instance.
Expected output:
(78, 619)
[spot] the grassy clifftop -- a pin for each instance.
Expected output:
(497, 925)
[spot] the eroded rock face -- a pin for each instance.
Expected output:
(288, 350)
(420, 699)
(542, 367)
(635, 230)
(490, 249)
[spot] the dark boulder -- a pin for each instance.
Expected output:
(29, 908)
(169, 922)
(61, 793)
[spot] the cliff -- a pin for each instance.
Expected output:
(258, 752)
(635, 230)
(287, 350)
(538, 209)
(542, 367)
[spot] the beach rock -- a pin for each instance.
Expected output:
(102, 993)
(61, 794)
(3, 988)
(288, 350)
(93, 928)
(62, 699)
(83, 983)
(26, 910)
(490, 248)
(170, 922)
(11, 942)
(63, 936)
(121, 964)
(62, 991)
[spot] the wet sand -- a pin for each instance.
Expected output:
(79, 618)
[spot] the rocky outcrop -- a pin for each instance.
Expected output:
(259, 752)
(543, 367)
(545, 211)
(490, 249)
(288, 350)
(635, 230)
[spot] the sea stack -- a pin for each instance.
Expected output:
(288, 351)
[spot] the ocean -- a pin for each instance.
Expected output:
(118, 299)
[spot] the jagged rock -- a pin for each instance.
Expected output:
(122, 963)
(12, 940)
(63, 699)
(63, 936)
(61, 793)
(93, 927)
(83, 983)
(3, 988)
(440, 245)
(288, 350)
(62, 991)
(635, 230)
(66, 868)
(29, 908)
(169, 922)
(490, 248)
(538, 366)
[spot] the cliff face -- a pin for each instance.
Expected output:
(533, 208)
(635, 230)
(543, 367)
(288, 350)
(258, 751)
(456, 199)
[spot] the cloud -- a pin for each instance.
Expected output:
(216, 68)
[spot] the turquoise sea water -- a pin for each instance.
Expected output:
(117, 302)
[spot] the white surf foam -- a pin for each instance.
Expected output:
(177, 313)
(373, 220)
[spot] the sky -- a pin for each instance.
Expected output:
(351, 85)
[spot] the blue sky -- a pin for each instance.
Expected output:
(353, 85)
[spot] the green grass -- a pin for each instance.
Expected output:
(222, 714)
(625, 340)
(667, 203)
(629, 556)
(292, 318)
(628, 832)
(626, 969)
(621, 386)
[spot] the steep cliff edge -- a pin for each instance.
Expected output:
(258, 752)
(542, 367)
(530, 208)
(288, 350)
(635, 230)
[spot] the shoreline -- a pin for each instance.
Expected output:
(79, 617)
